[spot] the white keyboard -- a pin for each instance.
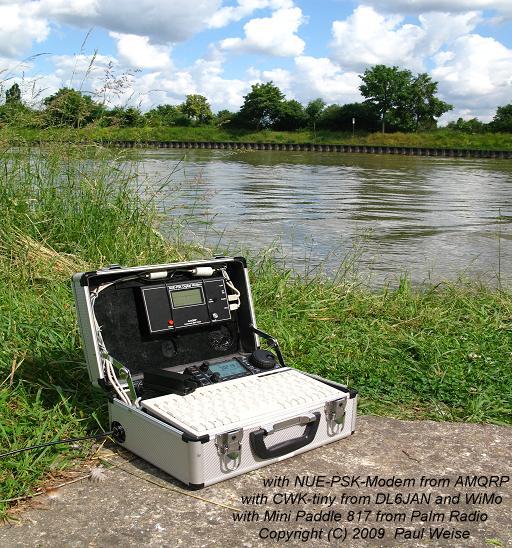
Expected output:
(236, 403)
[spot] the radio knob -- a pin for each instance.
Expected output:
(204, 366)
(262, 359)
(215, 377)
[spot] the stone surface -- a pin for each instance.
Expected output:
(137, 505)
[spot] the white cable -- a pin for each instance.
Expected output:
(229, 283)
(106, 360)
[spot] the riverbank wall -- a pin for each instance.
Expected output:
(313, 147)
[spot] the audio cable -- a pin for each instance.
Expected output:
(57, 442)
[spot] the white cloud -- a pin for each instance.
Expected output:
(369, 38)
(283, 79)
(275, 35)
(138, 53)
(204, 76)
(161, 21)
(320, 77)
(453, 6)
(475, 75)
(229, 14)
(207, 73)
(20, 26)
(313, 77)
(84, 72)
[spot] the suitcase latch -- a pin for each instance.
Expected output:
(335, 411)
(230, 443)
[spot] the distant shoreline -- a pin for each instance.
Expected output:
(313, 147)
(442, 142)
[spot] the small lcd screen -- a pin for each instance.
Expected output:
(227, 369)
(187, 297)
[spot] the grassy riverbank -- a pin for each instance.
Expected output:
(441, 138)
(442, 353)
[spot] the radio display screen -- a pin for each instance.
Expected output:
(187, 297)
(227, 369)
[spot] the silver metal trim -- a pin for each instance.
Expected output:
(251, 305)
(295, 421)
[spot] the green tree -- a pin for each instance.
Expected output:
(13, 95)
(68, 107)
(197, 108)
(474, 125)
(224, 117)
(385, 87)
(291, 116)
(262, 106)
(422, 104)
(339, 117)
(502, 120)
(166, 115)
(404, 101)
(123, 117)
(313, 111)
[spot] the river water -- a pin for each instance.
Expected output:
(432, 218)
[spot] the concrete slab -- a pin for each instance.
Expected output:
(137, 505)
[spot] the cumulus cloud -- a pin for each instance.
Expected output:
(20, 26)
(170, 21)
(320, 77)
(137, 52)
(475, 74)
(244, 8)
(275, 35)
(282, 78)
(313, 77)
(454, 6)
(369, 38)
(84, 72)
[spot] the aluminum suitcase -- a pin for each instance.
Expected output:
(190, 389)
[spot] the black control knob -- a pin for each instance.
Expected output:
(264, 359)
(204, 366)
(215, 377)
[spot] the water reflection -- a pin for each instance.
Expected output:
(431, 217)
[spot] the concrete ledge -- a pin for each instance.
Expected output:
(312, 147)
(129, 509)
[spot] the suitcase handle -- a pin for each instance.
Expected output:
(257, 438)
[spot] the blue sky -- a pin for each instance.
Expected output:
(150, 52)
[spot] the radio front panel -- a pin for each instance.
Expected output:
(174, 306)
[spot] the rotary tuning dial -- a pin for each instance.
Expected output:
(264, 359)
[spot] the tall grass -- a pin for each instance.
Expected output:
(60, 212)
(443, 353)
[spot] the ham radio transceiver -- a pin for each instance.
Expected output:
(176, 349)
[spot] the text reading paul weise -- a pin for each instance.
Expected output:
(344, 508)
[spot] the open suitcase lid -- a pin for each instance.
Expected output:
(163, 316)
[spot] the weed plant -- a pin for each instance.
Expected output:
(442, 353)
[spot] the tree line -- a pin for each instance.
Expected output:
(395, 100)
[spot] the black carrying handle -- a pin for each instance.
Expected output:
(257, 439)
